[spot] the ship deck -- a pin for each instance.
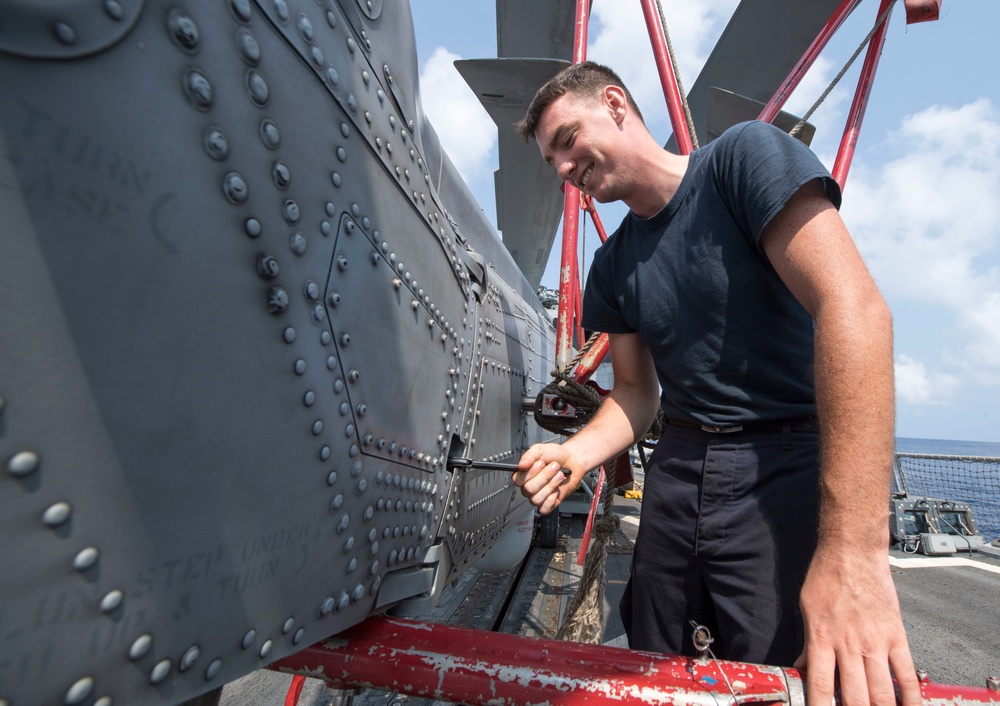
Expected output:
(951, 610)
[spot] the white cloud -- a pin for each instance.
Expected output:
(915, 385)
(466, 130)
(928, 222)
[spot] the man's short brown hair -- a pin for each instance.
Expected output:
(585, 78)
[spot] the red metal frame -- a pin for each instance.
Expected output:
(458, 665)
(857, 113)
(664, 67)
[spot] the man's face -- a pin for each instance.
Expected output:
(575, 135)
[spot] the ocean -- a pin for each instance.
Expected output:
(951, 448)
(979, 484)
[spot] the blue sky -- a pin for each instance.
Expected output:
(922, 199)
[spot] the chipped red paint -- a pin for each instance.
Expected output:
(466, 666)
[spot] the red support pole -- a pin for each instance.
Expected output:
(466, 666)
(857, 113)
(668, 80)
(591, 359)
(818, 44)
(569, 287)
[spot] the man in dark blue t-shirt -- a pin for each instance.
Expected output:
(733, 286)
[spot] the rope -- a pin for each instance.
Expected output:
(677, 75)
(857, 52)
(584, 620)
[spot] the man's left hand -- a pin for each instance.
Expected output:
(854, 632)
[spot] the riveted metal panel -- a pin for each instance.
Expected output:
(186, 492)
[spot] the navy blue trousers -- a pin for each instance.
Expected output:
(727, 530)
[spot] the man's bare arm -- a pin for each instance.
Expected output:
(624, 416)
(849, 603)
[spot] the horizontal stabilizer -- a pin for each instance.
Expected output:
(726, 109)
(529, 204)
(759, 47)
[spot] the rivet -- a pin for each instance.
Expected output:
(287, 626)
(349, 430)
(353, 376)
(368, 119)
(338, 386)
(351, 565)
(288, 335)
(198, 89)
(103, 701)
(280, 9)
(381, 99)
(358, 593)
(300, 367)
(183, 30)
(337, 502)
(345, 340)
(324, 337)
(324, 453)
(269, 134)
(235, 188)
(252, 227)
(349, 227)
(140, 648)
(257, 88)
(265, 649)
(351, 46)
(290, 211)
(297, 243)
(189, 658)
(343, 524)
(64, 33)
(342, 600)
(57, 514)
(214, 667)
(333, 298)
(352, 103)
(281, 175)
(112, 601)
(317, 56)
(80, 691)
(331, 478)
(85, 558)
(317, 427)
(248, 638)
(216, 144)
(160, 671)
(362, 410)
(248, 47)
(331, 73)
(114, 10)
(335, 178)
(241, 8)
(376, 258)
(368, 440)
(23, 463)
(277, 301)
(297, 637)
(305, 28)
(341, 154)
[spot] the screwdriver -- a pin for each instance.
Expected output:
(471, 465)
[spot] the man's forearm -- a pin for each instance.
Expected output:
(855, 401)
(624, 417)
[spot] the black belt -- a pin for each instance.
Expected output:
(801, 424)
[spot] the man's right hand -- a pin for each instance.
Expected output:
(541, 478)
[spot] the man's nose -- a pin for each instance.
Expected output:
(564, 168)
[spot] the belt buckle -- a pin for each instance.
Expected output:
(721, 430)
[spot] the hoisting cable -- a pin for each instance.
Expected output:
(677, 76)
(857, 52)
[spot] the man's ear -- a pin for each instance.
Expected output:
(617, 103)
